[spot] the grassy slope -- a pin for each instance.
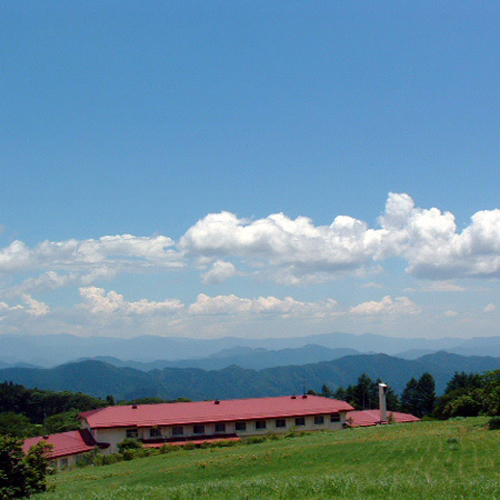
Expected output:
(435, 460)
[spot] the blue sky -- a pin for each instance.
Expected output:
(249, 168)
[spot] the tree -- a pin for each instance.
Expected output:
(409, 397)
(20, 475)
(363, 395)
(340, 394)
(419, 397)
(38, 467)
(326, 392)
(62, 422)
(463, 381)
(462, 398)
(427, 394)
(16, 425)
(491, 392)
(393, 403)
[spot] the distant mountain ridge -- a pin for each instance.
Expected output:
(53, 350)
(100, 379)
(244, 357)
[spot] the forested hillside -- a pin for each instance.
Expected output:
(100, 379)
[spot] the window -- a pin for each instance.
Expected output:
(64, 463)
(155, 433)
(300, 421)
(319, 420)
(198, 429)
(132, 433)
(260, 424)
(220, 427)
(280, 422)
(241, 426)
(177, 431)
(335, 417)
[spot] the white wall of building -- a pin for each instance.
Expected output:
(115, 436)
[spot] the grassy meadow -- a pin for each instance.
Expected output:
(457, 459)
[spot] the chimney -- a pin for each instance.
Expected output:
(382, 398)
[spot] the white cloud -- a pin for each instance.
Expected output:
(5, 307)
(219, 272)
(32, 307)
(489, 308)
(429, 240)
(274, 248)
(101, 303)
(36, 307)
(285, 308)
(296, 247)
(438, 286)
(387, 306)
(76, 255)
(450, 313)
(297, 252)
(372, 284)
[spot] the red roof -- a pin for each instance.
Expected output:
(64, 443)
(367, 418)
(212, 411)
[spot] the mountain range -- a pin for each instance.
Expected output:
(54, 350)
(100, 379)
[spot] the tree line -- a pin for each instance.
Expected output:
(31, 412)
(36, 412)
(466, 395)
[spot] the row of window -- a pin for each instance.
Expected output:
(280, 423)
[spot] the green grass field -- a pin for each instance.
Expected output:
(427, 460)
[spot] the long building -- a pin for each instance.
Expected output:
(157, 424)
(197, 422)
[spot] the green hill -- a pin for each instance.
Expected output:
(437, 460)
(100, 379)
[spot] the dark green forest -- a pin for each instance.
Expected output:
(29, 412)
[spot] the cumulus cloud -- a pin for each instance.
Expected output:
(219, 272)
(285, 308)
(76, 254)
(100, 302)
(489, 308)
(35, 307)
(428, 239)
(31, 307)
(298, 247)
(277, 248)
(296, 251)
(387, 306)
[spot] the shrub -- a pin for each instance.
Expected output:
(255, 439)
(129, 444)
(494, 424)
(20, 475)
(128, 454)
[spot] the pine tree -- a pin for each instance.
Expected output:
(427, 394)
(419, 397)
